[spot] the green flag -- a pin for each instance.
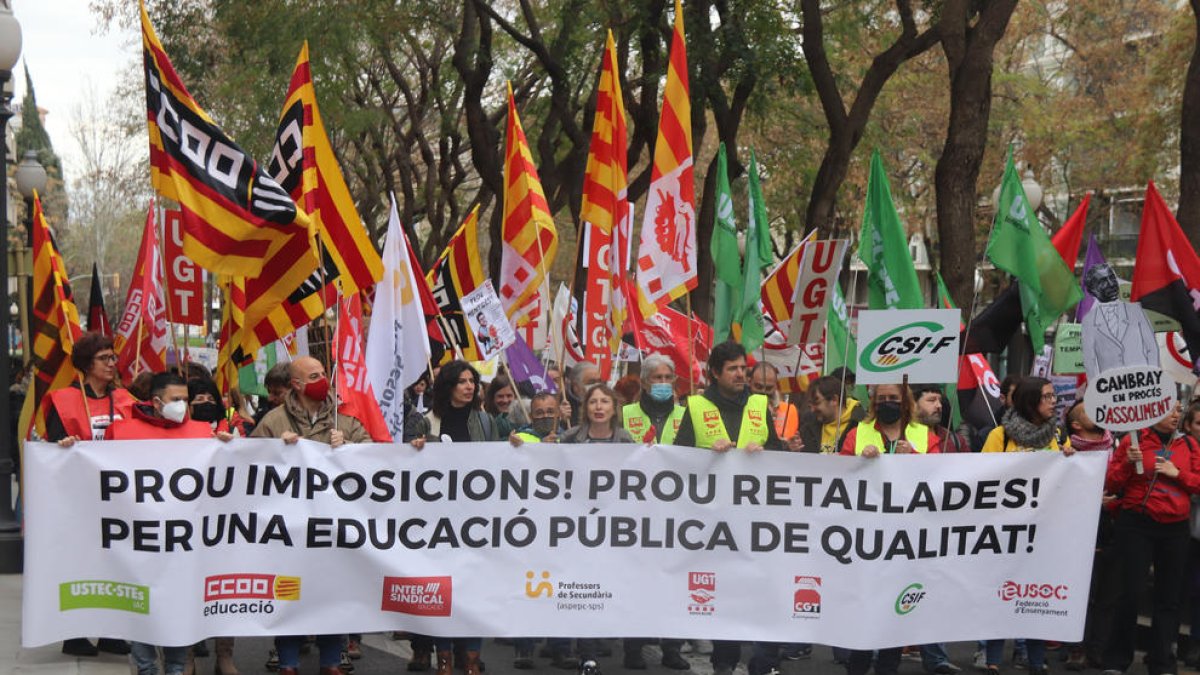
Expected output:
(841, 349)
(251, 375)
(758, 257)
(883, 248)
(1022, 248)
(727, 262)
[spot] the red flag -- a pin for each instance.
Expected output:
(1166, 276)
(97, 316)
(141, 339)
(1068, 239)
(353, 386)
(667, 333)
(428, 305)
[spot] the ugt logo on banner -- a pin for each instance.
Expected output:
(919, 343)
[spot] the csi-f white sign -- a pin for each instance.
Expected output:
(919, 343)
(1128, 399)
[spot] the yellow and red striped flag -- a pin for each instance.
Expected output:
(606, 219)
(233, 212)
(529, 239)
(303, 163)
(667, 252)
(55, 326)
(456, 273)
(778, 289)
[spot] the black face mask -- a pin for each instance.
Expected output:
(542, 426)
(207, 412)
(888, 412)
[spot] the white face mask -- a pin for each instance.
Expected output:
(175, 410)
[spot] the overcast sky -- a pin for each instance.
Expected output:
(66, 54)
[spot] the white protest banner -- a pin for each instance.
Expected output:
(168, 544)
(919, 343)
(1129, 399)
(486, 317)
(819, 269)
(185, 279)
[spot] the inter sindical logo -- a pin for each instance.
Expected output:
(806, 600)
(702, 593)
(418, 596)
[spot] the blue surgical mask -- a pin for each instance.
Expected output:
(661, 391)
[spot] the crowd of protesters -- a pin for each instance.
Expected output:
(1144, 525)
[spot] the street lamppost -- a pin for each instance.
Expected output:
(10, 530)
(31, 179)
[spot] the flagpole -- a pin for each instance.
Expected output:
(691, 347)
(513, 381)
(329, 346)
(137, 360)
(337, 322)
(845, 359)
(162, 269)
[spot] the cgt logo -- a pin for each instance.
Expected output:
(251, 587)
(806, 601)
(418, 596)
(1011, 590)
(907, 601)
(905, 345)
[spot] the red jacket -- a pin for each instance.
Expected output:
(1166, 500)
(144, 425)
(67, 405)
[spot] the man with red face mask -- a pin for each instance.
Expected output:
(309, 412)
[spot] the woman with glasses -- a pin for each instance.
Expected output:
(1029, 425)
(82, 412)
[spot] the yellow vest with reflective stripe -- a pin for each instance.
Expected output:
(528, 437)
(915, 433)
(708, 425)
(637, 423)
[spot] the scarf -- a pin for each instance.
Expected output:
(1081, 444)
(1026, 434)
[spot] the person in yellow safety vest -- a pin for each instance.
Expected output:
(654, 417)
(890, 427)
(712, 420)
(543, 421)
(831, 415)
(764, 379)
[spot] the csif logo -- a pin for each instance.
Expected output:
(418, 596)
(1011, 590)
(907, 601)
(100, 594)
(905, 345)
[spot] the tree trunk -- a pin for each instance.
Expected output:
(1189, 144)
(969, 50)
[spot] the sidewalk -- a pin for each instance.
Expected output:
(48, 660)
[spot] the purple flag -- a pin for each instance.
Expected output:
(1094, 257)
(526, 367)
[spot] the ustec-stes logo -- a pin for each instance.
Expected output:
(806, 601)
(908, 598)
(247, 593)
(419, 596)
(100, 594)
(702, 593)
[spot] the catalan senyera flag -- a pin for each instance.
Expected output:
(528, 236)
(233, 212)
(304, 164)
(778, 289)
(55, 326)
(230, 357)
(456, 273)
(667, 252)
(605, 215)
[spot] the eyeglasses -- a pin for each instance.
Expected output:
(107, 358)
(1049, 397)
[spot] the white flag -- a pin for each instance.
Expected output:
(397, 342)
